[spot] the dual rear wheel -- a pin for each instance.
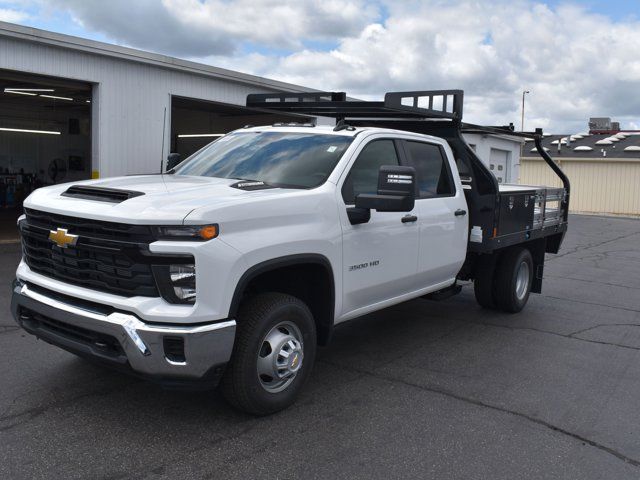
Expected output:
(506, 284)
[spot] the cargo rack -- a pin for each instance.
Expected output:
(508, 215)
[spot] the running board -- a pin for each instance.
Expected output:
(444, 293)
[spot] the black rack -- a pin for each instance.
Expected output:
(432, 104)
(401, 109)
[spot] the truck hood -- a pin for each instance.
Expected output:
(161, 199)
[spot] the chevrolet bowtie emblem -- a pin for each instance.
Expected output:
(61, 238)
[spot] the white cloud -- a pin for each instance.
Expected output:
(575, 63)
(219, 27)
(13, 16)
(273, 22)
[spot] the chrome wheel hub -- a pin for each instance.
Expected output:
(522, 280)
(280, 357)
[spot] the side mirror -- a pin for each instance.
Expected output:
(173, 159)
(396, 191)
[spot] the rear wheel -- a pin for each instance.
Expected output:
(273, 354)
(513, 280)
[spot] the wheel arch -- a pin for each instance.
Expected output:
(307, 276)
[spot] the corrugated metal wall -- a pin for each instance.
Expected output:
(603, 186)
(129, 99)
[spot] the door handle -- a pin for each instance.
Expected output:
(409, 218)
(460, 212)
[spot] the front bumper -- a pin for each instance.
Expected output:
(174, 355)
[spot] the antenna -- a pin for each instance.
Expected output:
(164, 126)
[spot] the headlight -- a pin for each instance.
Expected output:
(183, 280)
(176, 281)
(187, 232)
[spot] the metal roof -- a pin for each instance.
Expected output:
(616, 149)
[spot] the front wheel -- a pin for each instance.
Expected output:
(513, 280)
(274, 352)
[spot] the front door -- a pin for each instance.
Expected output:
(379, 256)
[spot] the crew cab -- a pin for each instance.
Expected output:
(234, 265)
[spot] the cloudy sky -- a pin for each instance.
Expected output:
(577, 58)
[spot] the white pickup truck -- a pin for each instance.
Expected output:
(235, 264)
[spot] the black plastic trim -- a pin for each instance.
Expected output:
(358, 215)
(326, 327)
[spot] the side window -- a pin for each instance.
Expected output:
(363, 177)
(432, 169)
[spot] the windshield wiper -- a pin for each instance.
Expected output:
(269, 184)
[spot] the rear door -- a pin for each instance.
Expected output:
(441, 209)
(380, 256)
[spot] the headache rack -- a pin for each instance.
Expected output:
(507, 214)
(419, 105)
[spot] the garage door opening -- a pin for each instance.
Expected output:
(499, 164)
(45, 138)
(196, 123)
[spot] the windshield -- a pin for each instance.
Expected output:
(280, 159)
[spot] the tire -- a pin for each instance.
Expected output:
(513, 280)
(483, 283)
(273, 329)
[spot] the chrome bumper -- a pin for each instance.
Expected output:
(207, 348)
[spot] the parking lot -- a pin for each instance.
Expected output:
(420, 390)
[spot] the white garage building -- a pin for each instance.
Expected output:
(501, 153)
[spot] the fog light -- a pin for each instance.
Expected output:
(183, 281)
(176, 279)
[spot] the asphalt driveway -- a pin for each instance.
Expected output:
(420, 390)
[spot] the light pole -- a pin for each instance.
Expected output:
(524, 92)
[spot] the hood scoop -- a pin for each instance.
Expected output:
(100, 194)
